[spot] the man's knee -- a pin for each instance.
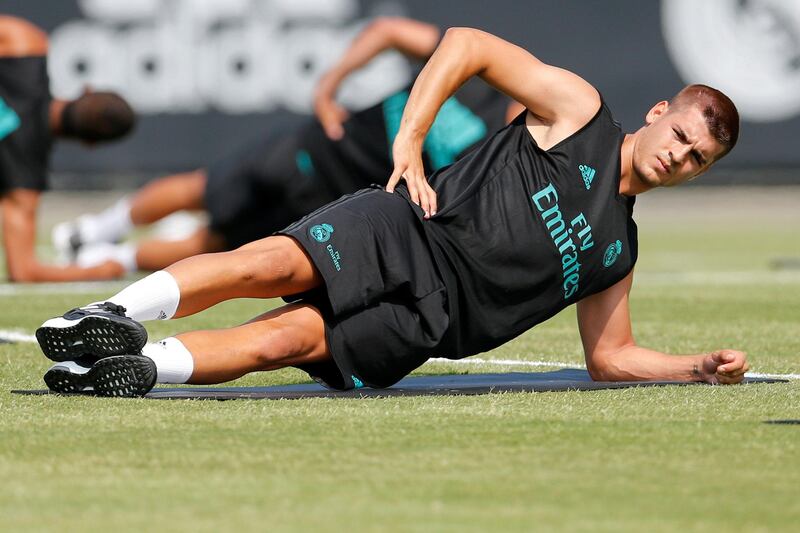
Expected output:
(291, 344)
(274, 259)
(278, 346)
(195, 185)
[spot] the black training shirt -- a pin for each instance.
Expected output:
(522, 232)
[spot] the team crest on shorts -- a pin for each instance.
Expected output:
(612, 252)
(321, 232)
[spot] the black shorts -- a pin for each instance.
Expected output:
(383, 301)
(261, 189)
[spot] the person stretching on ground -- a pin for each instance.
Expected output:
(539, 217)
(276, 180)
(29, 120)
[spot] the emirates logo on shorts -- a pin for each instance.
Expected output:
(321, 232)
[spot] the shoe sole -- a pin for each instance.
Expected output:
(121, 376)
(65, 340)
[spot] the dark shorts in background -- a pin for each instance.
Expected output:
(383, 301)
(25, 137)
(262, 188)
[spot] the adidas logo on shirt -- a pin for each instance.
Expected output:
(588, 175)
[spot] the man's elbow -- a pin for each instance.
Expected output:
(602, 368)
(24, 272)
(598, 372)
(21, 277)
(467, 45)
(462, 34)
(382, 25)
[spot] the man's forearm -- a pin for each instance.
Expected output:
(367, 44)
(449, 67)
(412, 38)
(634, 363)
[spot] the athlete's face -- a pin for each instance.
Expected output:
(674, 146)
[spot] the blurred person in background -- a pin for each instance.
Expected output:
(537, 218)
(279, 178)
(30, 119)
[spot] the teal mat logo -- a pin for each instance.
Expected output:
(612, 252)
(587, 173)
(321, 232)
(357, 382)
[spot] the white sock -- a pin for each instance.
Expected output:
(110, 225)
(174, 362)
(98, 253)
(125, 254)
(155, 297)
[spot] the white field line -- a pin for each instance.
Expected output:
(80, 287)
(504, 362)
(16, 336)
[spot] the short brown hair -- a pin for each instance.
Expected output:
(97, 117)
(722, 117)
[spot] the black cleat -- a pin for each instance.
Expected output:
(100, 330)
(123, 376)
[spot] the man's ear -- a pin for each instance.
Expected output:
(656, 111)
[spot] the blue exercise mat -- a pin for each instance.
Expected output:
(444, 385)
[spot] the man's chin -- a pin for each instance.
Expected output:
(649, 178)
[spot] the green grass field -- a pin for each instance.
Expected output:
(654, 459)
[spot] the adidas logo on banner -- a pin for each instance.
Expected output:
(588, 175)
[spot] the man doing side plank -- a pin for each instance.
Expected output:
(539, 217)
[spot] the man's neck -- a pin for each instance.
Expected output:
(629, 182)
(56, 116)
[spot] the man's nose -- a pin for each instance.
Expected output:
(679, 153)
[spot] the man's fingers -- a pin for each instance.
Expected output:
(733, 370)
(722, 357)
(336, 120)
(423, 195)
(733, 374)
(331, 116)
(413, 192)
(733, 362)
(394, 179)
(434, 200)
(429, 201)
(420, 191)
(334, 130)
(331, 124)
